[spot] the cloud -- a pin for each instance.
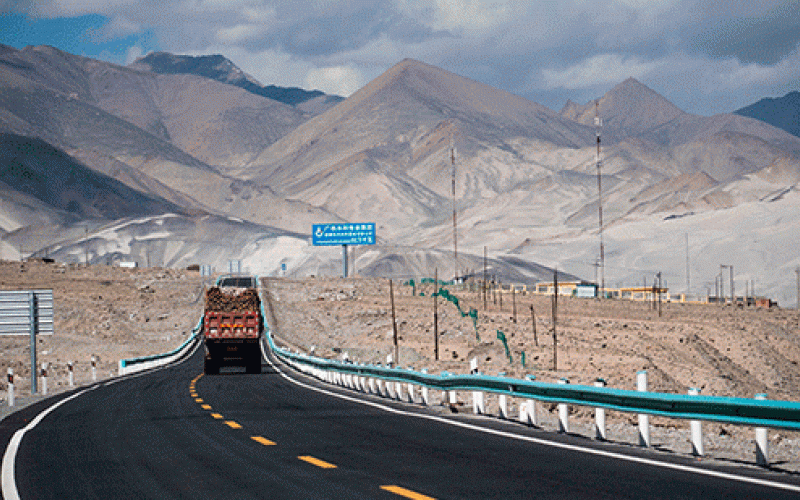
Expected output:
(602, 69)
(339, 80)
(552, 49)
(133, 53)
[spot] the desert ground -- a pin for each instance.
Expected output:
(115, 313)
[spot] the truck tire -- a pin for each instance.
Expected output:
(210, 368)
(254, 365)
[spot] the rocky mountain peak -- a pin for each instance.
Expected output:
(222, 69)
(629, 108)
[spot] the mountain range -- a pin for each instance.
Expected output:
(215, 169)
(782, 112)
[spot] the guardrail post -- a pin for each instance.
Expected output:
(372, 388)
(70, 375)
(502, 403)
(563, 412)
(425, 396)
(94, 368)
(531, 409)
(44, 378)
(478, 403)
(697, 430)
(380, 388)
(600, 416)
(10, 387)
(762, 444)
(644, 420)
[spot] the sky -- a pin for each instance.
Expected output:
(706, 56)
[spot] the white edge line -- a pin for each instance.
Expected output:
(592, 451)
(9, 485)
(9, 457)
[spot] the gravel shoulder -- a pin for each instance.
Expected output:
(107, 312)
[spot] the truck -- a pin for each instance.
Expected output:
(232, 325)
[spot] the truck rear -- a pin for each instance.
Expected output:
(232, 328)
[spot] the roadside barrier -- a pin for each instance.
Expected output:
(133, 365)
(758, 412)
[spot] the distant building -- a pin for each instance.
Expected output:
(644, 293)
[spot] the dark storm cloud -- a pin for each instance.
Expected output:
(553, 49)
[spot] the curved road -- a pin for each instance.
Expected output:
(173, 433)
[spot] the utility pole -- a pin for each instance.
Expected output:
(555, 317)
(598, 123)
(659, 293)
(455, 220)
(484, 278)
(797, 272)
(435, 314)
(687, 265)
(721, 288)
(394, 326)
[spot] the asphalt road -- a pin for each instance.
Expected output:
(172, 433)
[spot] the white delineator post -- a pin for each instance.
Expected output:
(94, 369)
(372, 388)
(410, 389)
(697, 430)
(502, 403)
(425, 396)
(10, 387)
(531, 410)
(478, 403)
(600, 416)
(453, 397)
(44, 378)
(644, 420)
(762, 444)
(70, 375)
(563, 412)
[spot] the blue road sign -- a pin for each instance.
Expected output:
(343, 234)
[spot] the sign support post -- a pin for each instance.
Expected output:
(32, 322)
(344, 261)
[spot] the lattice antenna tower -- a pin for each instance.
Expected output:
(455, 212)
(598, 125)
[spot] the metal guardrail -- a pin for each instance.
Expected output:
(132, 365)
(741, 411)
(144, 362)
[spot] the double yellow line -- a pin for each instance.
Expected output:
(397, 490)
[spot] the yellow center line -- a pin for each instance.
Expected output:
(397, 490)
(233, 425)
(216, 415)
(208, 407)
(317, 462)
(262, 440)
(198, 400)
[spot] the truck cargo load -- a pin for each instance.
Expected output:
(232, 328)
